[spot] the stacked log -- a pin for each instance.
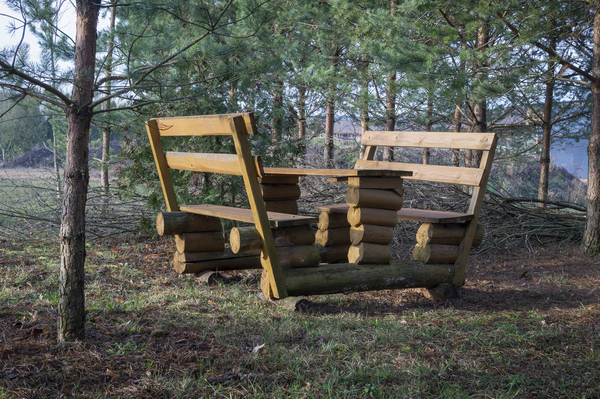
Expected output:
(372, 216)
(200, 244)
(294, 244)
(440, 242)
(333, 234)
(280, 193)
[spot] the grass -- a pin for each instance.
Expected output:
(151, 333)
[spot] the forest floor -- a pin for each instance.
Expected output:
(526, 325)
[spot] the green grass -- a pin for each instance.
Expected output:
(154, 334)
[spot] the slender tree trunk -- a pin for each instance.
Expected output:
(390, 106)
(591, 239)
(277, 116)
(546, 131)
(301, 112)
(427, 151)
(329, 125)
(71, 304)
(364, 126)
(390, 113)
(457, 127)
(56, 166)
(330, 110)
(480, 106)
(106, 133)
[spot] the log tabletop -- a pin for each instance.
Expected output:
(342, 173)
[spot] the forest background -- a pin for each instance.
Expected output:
(528, 70)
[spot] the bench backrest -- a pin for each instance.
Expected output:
(238, 126)
(475, 177)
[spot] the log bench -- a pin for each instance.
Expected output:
(280, 242)
(444, 237)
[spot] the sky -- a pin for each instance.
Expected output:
(66, 24)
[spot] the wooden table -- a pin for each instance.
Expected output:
(359, 231)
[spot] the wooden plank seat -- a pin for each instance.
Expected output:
(476, 178)
(276, 219)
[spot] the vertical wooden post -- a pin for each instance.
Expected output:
(474, 208)
(259, 212)
(161, 165)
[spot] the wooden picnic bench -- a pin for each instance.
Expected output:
(276, 241)
(444, 236)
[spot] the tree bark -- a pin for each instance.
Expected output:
(364, 117)
(301, 112)
(546, 131)
(427, 151)
(457, 127)
(106, 132)
(71, 304)
(480, 105)
(329, 125)
(390, 114)
(591, 238)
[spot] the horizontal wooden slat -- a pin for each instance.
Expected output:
(212, 163)
(337, 208)
(276, 219)
(470, 141)
(337, 172)
(205, 125)
(431, 173)
(429, 216)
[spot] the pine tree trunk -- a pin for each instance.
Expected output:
(277, 115)
(106, 132)
(329, 125)
(71, 304)
(427, 151)
(480, 106)
(546, 131)
(301, 112)
(364, 126)
(591, 239)
(457, 127)
(390, 113)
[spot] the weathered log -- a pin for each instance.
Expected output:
(171, 223)
(366, 253)
(375, 182)
(370, 233)
(247, 239)
(334, 254)
(332, 220)
(371, 198)
(435, 253)
(350, 277)
(196, 262)
(298, 256)
(373, 216)
(447, 234)
(209, 277)
(205, 256)
(331, 237)
(283, 206)
(278, 179)
(280, 191)
(209, 241)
